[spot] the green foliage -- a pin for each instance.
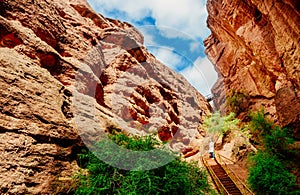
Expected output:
(260, 125)
(237, 101)
(108, 150)
(270, 176)
(217, 125)
(278, 140)
(273, 139)
(176, 177)
(269, 173)
(135, 143)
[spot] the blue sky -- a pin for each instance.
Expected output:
(173, 32)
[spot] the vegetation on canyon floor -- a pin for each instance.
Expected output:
(217, 125)
(271, 166)
(270, 171)
(176, 177)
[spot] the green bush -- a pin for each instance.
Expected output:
(278, 141)
(260, 125)
(238, 101)
(275, 140)
(268, 175)
(176, 177)
(217, 125)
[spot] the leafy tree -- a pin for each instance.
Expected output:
(217, 125)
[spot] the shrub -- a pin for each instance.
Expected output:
(273, 139)
(238, 101)
(260, 125)
(278, 141)
(269, 176)
(176, 177)
(269, 173)
(217, 125)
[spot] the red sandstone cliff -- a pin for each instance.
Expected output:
(52, 50)
(255, 46)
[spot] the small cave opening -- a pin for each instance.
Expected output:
(257, 15)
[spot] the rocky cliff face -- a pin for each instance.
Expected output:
(66, 74)
(255, 48)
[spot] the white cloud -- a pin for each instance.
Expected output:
(184, 19)
(149, 36)
(167, 56)
(201, 75)
(188, 16)
(194, 46)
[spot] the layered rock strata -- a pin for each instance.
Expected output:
(66, 74)
(255, 48)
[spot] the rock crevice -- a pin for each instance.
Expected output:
(67, 73)
(254, 47)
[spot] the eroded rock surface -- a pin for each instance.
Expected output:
(52, 50)
(255, 48)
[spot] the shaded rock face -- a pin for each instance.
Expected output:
(52, 50)
(255, 48)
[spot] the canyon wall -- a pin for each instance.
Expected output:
(68, 73)
(255, 47)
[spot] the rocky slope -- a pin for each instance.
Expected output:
(255, 47)
(66, 74)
